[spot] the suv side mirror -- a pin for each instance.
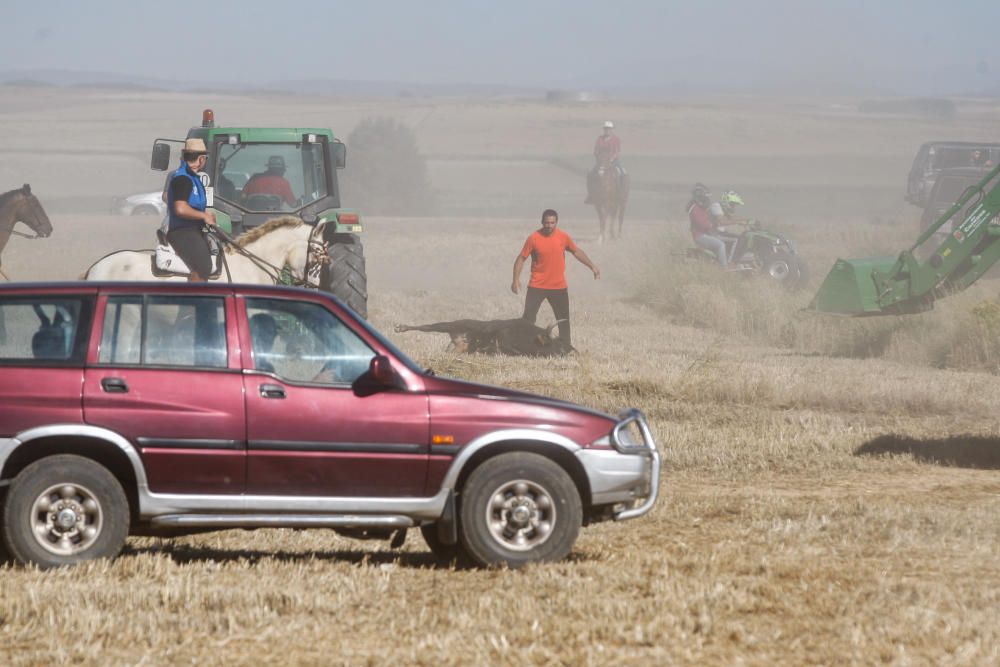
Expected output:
(160, 161)
(381, 370)
(380, 376)
(339, 154)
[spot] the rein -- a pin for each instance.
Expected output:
(315, 258)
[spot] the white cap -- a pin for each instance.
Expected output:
(608, 124)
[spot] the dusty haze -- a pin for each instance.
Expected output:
(830, 486)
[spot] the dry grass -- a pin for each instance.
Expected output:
(818, 509)
(831, 491)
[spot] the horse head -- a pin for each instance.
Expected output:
(317, 254)
(30, 212)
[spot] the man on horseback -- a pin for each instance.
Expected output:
(186, 204)
(607, 151)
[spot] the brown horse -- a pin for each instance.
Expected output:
(609, 198)
(21, 206)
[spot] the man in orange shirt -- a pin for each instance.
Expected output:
(547, 248)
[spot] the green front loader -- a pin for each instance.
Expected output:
(245, 164)
(949, 256)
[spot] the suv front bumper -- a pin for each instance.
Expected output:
(628, 472)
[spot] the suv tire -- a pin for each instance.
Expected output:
(519, 508)
(62, 510)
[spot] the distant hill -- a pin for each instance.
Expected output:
(106, 80)
(957, 81)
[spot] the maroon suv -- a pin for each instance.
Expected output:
(165, 409)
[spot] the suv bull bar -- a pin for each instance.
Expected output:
(624, 444)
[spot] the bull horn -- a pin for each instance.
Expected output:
(548, 329)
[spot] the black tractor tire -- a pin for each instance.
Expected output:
(783, 268)
(449, 554)
(345, 277)
(62, 510)
(519, 508)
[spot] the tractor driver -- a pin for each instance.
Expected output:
(271, 182)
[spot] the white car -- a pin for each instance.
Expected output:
(146, 203)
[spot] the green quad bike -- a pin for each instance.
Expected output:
(761, 252)
(307, 159)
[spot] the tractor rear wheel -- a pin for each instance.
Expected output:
(345, 277)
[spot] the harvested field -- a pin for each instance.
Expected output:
(832, 486)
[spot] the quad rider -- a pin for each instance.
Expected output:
(724, 211)
(704, 229)
(607, 151)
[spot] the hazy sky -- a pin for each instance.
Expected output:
(909, 46)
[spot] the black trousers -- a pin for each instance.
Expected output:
(558, 299)
(191, 245)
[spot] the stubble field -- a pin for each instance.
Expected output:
(830, 493)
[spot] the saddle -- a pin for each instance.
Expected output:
(165, 263)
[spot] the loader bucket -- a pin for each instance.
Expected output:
(849, 288)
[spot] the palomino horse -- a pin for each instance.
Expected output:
(21, 206)
(256, 257)
(609, 198)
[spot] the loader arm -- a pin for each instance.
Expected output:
(908, 284)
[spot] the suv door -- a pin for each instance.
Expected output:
(43, 343)
(308, 433)
(166, 379)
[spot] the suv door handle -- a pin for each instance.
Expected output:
(272, 391)
(114, 385)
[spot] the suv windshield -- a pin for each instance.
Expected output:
(271, 177)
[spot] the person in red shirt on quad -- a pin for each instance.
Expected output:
(704, 229)
(271, 182)
(607, 151)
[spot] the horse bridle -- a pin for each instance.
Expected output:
(317, 249)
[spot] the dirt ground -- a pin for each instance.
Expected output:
(818, 508)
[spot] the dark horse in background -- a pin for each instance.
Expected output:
(20, 206)
(609, 198)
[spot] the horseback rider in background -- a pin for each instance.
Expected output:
(607, 151)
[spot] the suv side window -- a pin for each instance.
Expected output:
(304, 342)
(48, 330)
(164, 331)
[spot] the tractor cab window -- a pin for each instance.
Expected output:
(271, 177)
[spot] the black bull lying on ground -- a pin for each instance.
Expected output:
(513, 337)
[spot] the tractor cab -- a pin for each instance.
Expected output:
(254, 174)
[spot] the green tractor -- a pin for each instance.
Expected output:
(930, 269)
(256, 173)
